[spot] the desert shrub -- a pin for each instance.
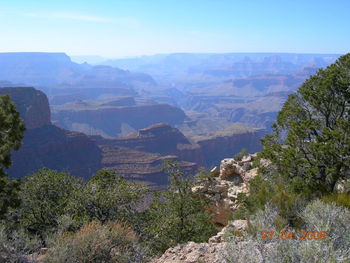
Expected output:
(317, 216)
(270, 190)
(96, 242)
(108, 196)
(239, 156)
(177, 215)
(45, 197)
(15, 246)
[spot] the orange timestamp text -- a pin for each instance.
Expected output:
(302, 235)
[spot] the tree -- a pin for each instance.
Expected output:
(11, 134)
(11, 131)
(178, 215)
(108, 196)
(46, 197)
(310, 144)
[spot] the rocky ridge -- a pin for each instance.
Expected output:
(222, 189)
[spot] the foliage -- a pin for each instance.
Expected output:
(310, 144)
(11, 131)
(177, 215)
(45, 198)
(342, 199)
(239, 156)
(95, 242)
(108, 196)
(271, 190)
(11, 134)
(16, 245)
(317, 216)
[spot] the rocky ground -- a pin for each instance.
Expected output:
(227, 181)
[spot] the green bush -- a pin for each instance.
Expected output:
(239, 156)
(95, 242)
(108, 196)
(46, 196)
(271, 190)
(177, 215)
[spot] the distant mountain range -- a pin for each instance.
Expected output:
(57, 69)
(213, 90)
(191, 66)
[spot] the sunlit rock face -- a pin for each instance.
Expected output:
(227, 182)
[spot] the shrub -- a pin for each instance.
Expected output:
(108, 196)
(15, 246)
(266, 190)
(239, 156)
(96, 242)
(45, 198)
(317, 216)
(177, 215)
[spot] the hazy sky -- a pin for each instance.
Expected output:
(118, 28)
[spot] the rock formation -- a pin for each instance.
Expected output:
(141, 166)
(109, 121)
(222, 189)
(45, 145)
(158, 138)
(32, 105)
(53, 69)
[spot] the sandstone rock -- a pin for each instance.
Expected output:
(199, 188)
(246, 159)
(230, 168)
(231, 228)
(250, 174)
(193, 253)
(239, 225)
(342, 186)
(215, 171)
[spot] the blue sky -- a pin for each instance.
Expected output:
(121, 28)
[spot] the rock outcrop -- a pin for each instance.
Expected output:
(32, 105)
(193, 253)
(226, 184)
(222, 190)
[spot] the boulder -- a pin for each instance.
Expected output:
(215, 171)
(230, 170)
(193, 253)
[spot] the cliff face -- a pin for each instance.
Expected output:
(111, 121)
(215, 149)
(163, 139)
(45, 145)
(58, 149)
(32, 105)
(159, 138)
(141, 166)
